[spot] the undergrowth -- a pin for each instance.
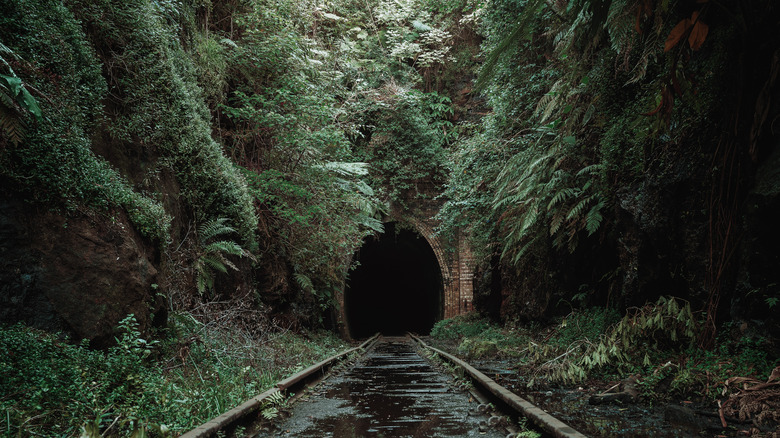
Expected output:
(655, 342)
(52, 386)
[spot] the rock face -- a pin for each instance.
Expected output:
(79, 275)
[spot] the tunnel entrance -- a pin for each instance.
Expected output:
(396, 287)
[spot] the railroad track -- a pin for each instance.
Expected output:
(384, 388)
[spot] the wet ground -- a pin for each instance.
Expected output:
(631, 420)
(390, 392)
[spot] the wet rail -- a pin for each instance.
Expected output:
(390, 391)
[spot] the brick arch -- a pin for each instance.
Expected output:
(454, 258)
(445, 263)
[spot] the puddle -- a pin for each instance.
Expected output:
(390, 392)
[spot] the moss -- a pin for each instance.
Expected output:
(55, 165)
(130, 75)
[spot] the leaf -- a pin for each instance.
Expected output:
(304, 282)
(12, 125)
(422, 27)
(331, 16)
(594, 218)
(698, 33)
(677, 33)
(347, 168)
(228, 42)
(13, 83)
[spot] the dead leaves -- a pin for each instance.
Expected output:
(753, 399)
(693, 27)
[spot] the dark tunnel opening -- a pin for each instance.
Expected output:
(395, 288)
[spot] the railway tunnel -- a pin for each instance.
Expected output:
(396, 286)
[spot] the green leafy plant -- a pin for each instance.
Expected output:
(639, 337)
(271, 405)
(15, 101)
(214, 251)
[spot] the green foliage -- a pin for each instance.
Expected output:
(213, 252)
(51, 387)
(468, 325)
(644, 335)
(15, 101)
(52, 162)
(589, 324)
(472, 348)
(270, 407)
(476, 337)
(407, 144)
(158, 106)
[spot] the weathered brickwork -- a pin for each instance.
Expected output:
(454, 254)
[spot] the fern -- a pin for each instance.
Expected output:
(594, 218)
(270, 407)
(214, 228)
(562, 195)
(213, 257)
(304, 282)
(11, 123)
(520, 31)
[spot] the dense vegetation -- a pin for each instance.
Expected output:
(168, 386)
(600, 154)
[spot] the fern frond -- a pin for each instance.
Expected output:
(594, 218)
(275, 399)
(270, 413)
(555, 223)
(229, 264)
(224, 246)
(544, 102)
(576, 211)
(347, 169)
(620, 26)
(304, 282)
(214, 228)
(650, 51)
(561, 196)
(523, 250)
(372, 223)
(12, 124)
(204, 279)
(214, 262)
(592, 169)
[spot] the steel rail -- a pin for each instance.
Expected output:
(538, 416)
(235, 415)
